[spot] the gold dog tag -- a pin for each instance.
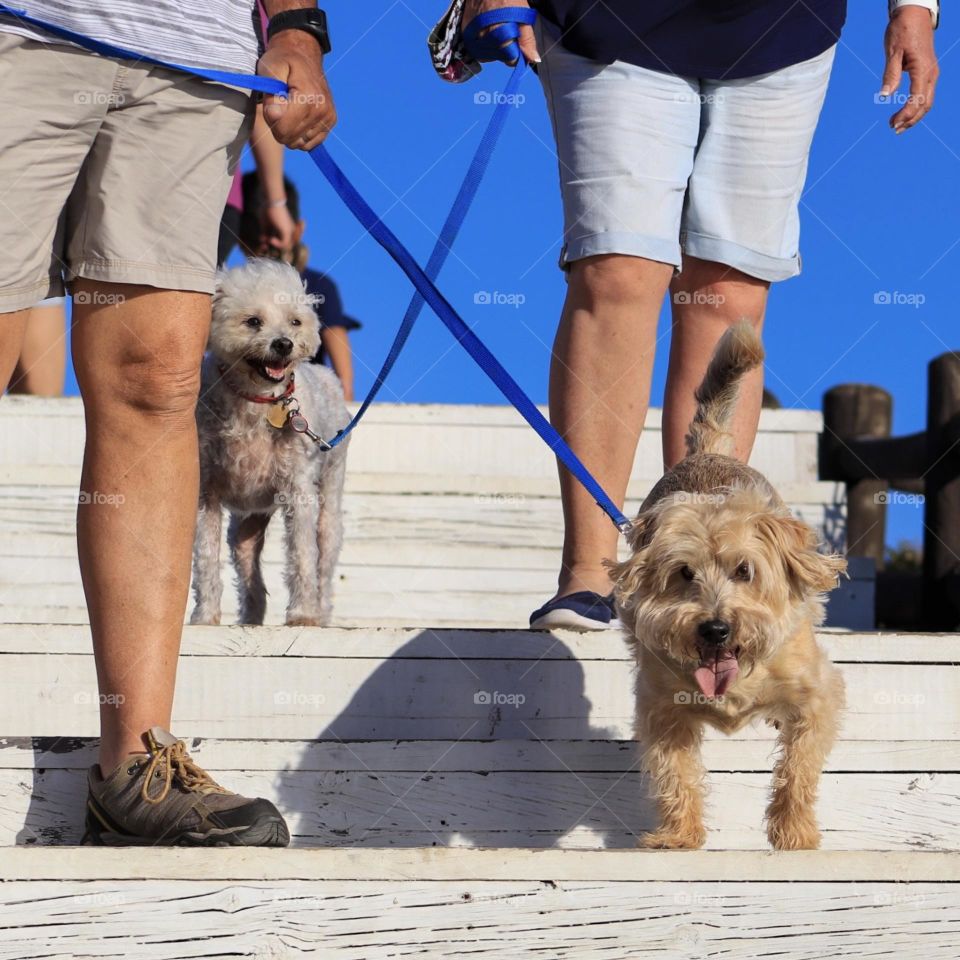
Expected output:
(277, 416)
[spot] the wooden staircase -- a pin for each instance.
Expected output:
(456, 786)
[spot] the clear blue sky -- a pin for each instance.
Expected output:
(879, 214)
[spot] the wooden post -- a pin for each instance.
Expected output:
(849, 411)
(941, 534)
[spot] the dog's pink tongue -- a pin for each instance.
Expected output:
(716, 672)
(275, 372)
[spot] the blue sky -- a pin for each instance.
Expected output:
(879, 215)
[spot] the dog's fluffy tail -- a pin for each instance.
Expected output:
(738, 352)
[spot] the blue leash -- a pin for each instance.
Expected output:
(498, 43)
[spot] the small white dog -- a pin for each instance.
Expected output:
(256, 397)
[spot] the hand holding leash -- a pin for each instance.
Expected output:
(488, 38)
(303, 118)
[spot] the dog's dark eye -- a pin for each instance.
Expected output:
(742, 572)
(296, 323)
(687, 573)
(254, 322)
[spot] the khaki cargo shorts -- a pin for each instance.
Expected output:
(111, 171)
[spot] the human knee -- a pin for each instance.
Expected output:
(612, 278)
(157, 383)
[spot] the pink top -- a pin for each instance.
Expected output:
(235, 197)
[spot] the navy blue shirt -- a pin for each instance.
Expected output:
(330, 307)
(705, 39)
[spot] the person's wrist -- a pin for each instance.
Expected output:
(897, 8)
(297, 41)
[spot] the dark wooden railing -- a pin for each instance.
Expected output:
(856, 448)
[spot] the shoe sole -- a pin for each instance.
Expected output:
(268, 832)
(562, 619)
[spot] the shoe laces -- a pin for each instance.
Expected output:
(173, 760)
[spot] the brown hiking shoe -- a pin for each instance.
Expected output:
(166, 799)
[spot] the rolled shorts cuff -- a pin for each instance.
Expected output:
(29, 295)
(161, 276)
(627, 244)
(759, 265)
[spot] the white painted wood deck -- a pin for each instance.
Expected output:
(456, 786)
(452, 511)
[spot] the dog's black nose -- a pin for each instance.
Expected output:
(715, 631)
(282, 346)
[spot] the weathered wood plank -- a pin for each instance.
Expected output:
(426, 642)
(408, 438)
(351, 920)
(423, 698)
(721, 754)
(449, 863)
(581, 810)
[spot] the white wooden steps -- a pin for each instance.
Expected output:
(409, 737)
(455, 786)
(452, 511)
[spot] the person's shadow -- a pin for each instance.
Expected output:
(455, 741)
(469, 739)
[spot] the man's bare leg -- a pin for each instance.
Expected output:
(599, 394)
(137, 355)
(707, 298)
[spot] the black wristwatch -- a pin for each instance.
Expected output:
(309, 20)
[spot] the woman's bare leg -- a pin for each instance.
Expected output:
(599, 394)
(707, 298)
(42, 365)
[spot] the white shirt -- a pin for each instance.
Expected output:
(216, 34)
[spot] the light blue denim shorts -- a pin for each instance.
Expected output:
(654, 165)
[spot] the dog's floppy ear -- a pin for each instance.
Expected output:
(627, 575)
(808, 571)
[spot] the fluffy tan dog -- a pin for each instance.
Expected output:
(720, 599)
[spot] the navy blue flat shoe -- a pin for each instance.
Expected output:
(577, 611)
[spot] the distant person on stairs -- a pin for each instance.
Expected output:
(140, 159)
(683, 131)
